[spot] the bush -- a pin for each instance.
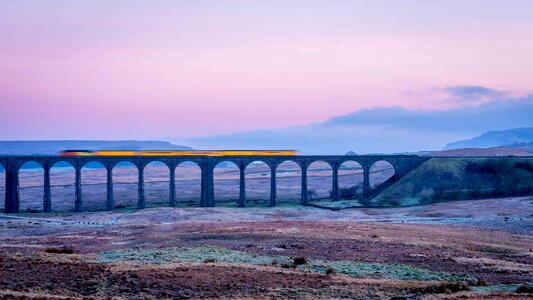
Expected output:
(525, 289)
(350, 192)
(300, 260)
(330, 271)
(63, 250)
(526, 166)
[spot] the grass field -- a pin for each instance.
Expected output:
(455, 250)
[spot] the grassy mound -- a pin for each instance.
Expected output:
(214, 254)
(448, 179)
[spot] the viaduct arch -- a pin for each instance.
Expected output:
(402, 164)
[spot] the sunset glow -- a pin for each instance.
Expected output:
(175, 69)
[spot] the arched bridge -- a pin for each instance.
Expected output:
(402, 164)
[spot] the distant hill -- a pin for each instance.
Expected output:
(513, 137)
(53, 147)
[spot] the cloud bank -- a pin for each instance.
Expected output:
(388, 129)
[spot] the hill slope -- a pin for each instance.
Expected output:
(496, 139)
(53, 147)
(447, 179)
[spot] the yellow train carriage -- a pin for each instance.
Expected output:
(179, 153)
(114, 153)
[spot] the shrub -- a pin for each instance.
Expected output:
(63, 250)
(525, 289)
(350, 192)
(330, 271)
(300, 260)
(525, 165)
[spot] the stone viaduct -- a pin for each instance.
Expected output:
(402, 165)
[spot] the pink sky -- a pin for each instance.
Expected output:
(172, 69)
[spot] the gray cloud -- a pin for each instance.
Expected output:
(386, 130)
(468, 93)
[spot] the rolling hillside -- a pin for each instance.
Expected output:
(448, 179)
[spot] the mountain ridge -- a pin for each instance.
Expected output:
(496, 138)
(51, 147)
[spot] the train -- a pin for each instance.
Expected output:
(179, 153)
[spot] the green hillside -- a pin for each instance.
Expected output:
(448, 179)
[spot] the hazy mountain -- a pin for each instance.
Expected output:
(53, 147)
(512, 137)
(388, 130)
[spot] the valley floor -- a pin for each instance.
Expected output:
(466, 249)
